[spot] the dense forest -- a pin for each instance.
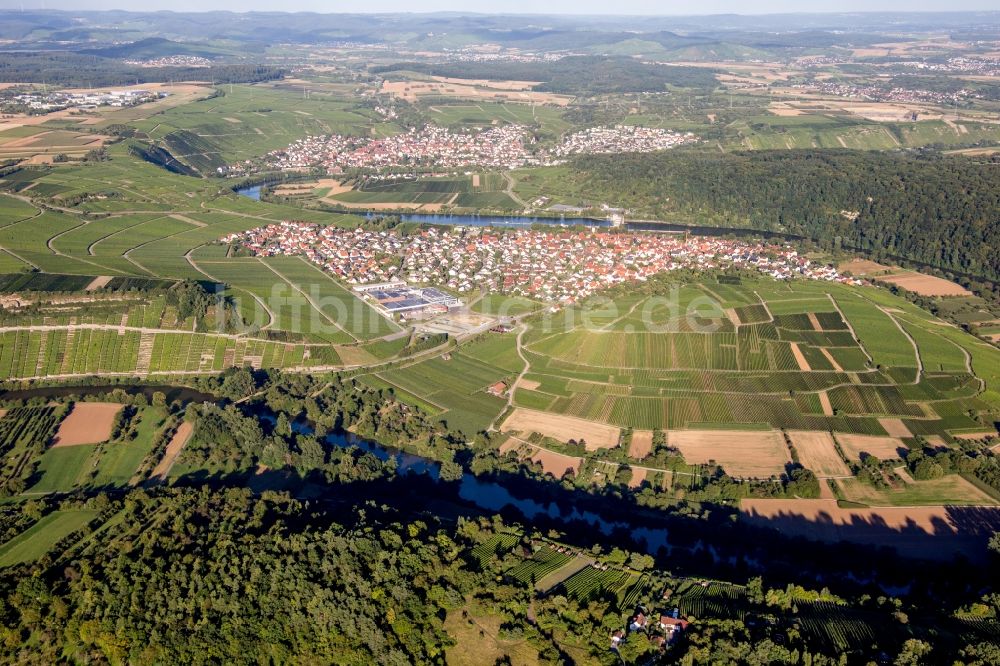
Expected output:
(85, 71)
(935, 209)
(575, 75)
(203, 575)
(276, 547)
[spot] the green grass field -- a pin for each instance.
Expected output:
(43, 535)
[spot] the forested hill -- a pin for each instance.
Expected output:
(78, 70)
(940, 210)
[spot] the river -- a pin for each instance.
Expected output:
(716, 547)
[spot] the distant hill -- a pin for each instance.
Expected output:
(153, 47)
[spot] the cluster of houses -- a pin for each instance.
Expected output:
(431, 146)
(501, 147)
(496, 53)
(621, 139)
(58, 100)
(172, 61)
(874, 93)
(660, 633)
(356, 256)
(978, 66)
(553, 266)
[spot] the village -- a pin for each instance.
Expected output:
(621, 139)
(553, 266)
(172, 61)
(503, 147)
(879, 94)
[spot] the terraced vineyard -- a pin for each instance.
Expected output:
(593, 582)
(796, 355)
(546, 560)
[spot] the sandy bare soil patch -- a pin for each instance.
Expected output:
(783, 110)
(904, 474)
(862, 267)
(824, 401)
(814, 322)
(528, 384)
(98, 282)
(564, 428)
(556, 464)
(818, 452)
(332, 185)
(88, 423)
(232, 120)
(511, 444)
(895, 427)
(934, 532)
(173, 450)
(927, 285)
(475, 180)
(188, 220)
(638, 476)
(800, 358)
(876, 445)
(641, 445)
(836, 366)
(742, 453)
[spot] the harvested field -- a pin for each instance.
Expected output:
(895, 427)
(927, 285)
(876, 445)
(638, 476)
(564, 428)
(413, 90)
(489, 83)
(932, 532)
(641, 445)
(511, 444)
(554, 463)
(88, 423)
(528, 384)
(745, 454)
(863, 267)
(817, 451)
(173, 450)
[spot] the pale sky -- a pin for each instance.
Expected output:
(645, 7)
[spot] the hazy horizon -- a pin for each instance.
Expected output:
(553, 7)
